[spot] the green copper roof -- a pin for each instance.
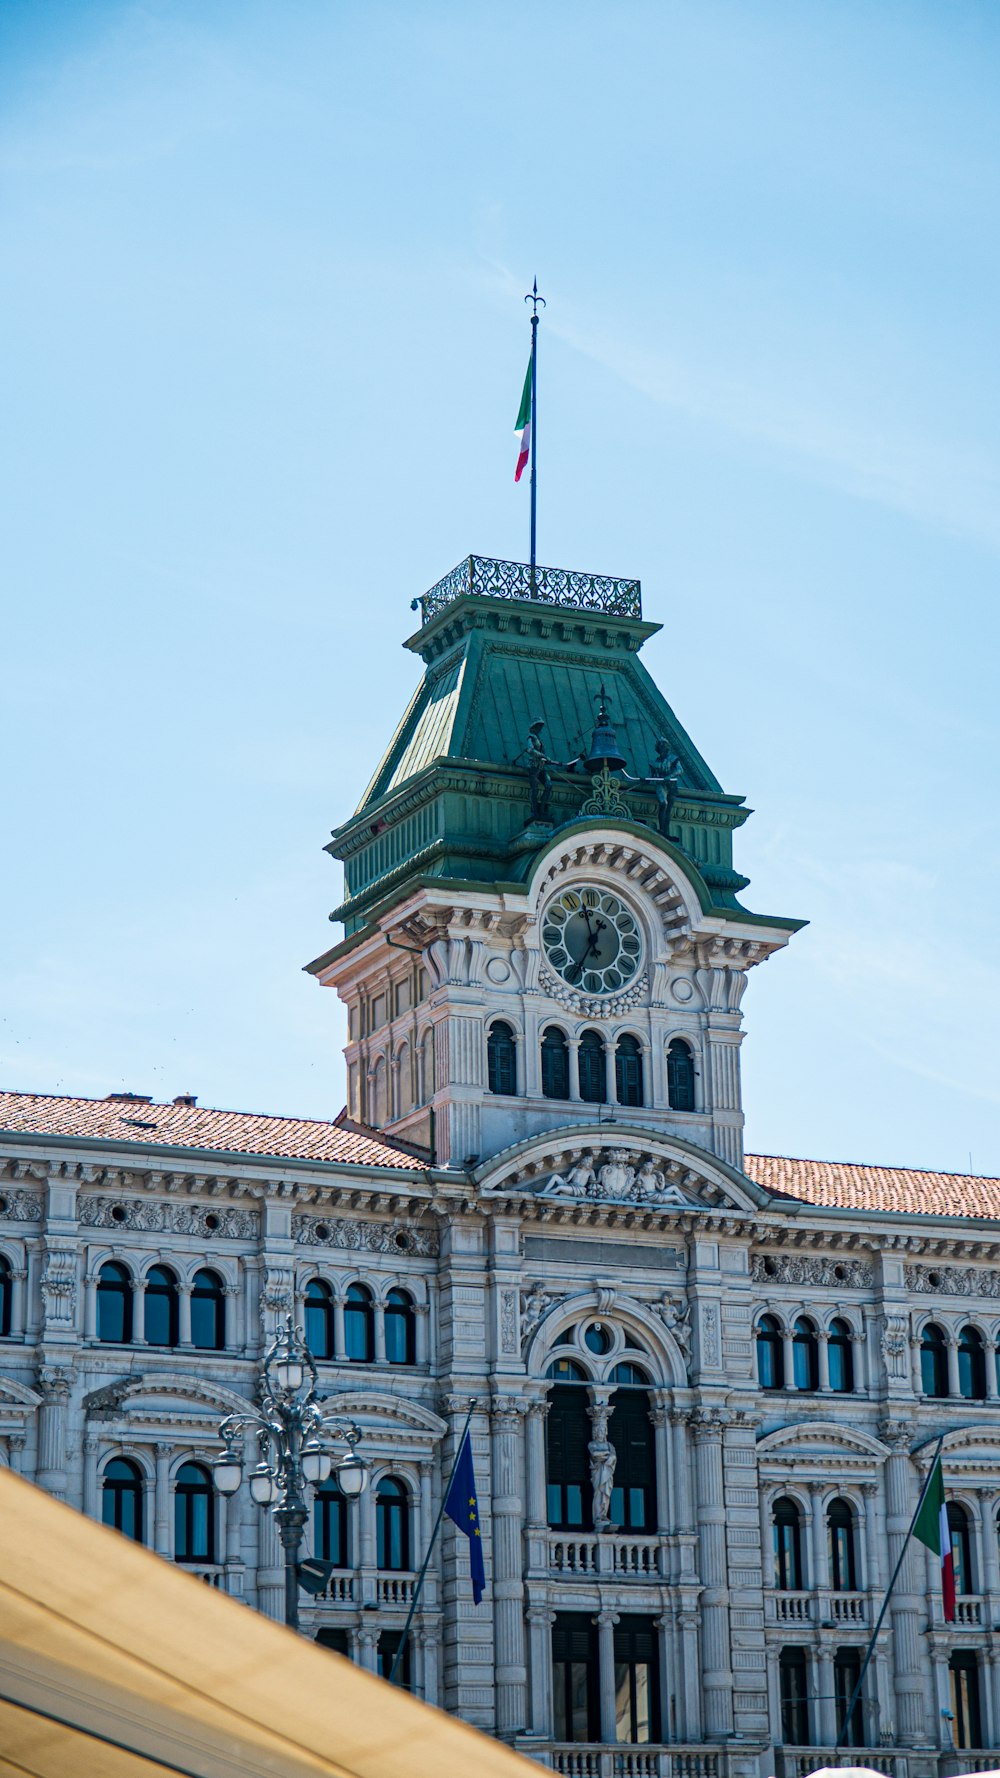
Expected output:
(450, 797)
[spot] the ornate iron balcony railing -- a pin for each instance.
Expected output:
(488, 578)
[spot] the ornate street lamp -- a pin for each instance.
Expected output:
(300, 1445)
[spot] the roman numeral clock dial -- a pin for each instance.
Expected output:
(591, 940)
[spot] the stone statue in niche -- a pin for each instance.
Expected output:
(676, 1318)
(603, 1458)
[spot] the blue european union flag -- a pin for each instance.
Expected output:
(462, 1506)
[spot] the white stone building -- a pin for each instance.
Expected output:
(707, 1384)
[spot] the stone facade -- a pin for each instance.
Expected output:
(702, 1409)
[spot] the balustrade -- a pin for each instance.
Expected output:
(628, 1558)
(596, 1760)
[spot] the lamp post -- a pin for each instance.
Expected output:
(298, 1448)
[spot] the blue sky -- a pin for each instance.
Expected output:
(262, 282)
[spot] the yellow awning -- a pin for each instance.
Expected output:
(116, 1664)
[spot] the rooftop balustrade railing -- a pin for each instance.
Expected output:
(565, 587)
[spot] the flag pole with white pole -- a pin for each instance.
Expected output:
(527, 421)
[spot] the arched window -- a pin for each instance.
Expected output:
(971, 1365)
(794, 1690)
(567, 1435)
(392, 1525)
(633, 1495)
(840, 1358)
(843, 1567)
(961, 1547)
(770, 1354)
(330, 1525)
(501, 1059)
(121, 1497)
(966, 1722)
(805, 1354)
(194, 1515)
(627, 1372)
(555, 1064)
(628, 1071)
(933, 1361)
(114, 1304)
(6, 1296)
(787, 1522)
(359, 1325)
(400, 1328)
(680, 1075)
(593, 1069)
(208, 1312)
(161, 1307)
(566, 1370)
(319, 1318)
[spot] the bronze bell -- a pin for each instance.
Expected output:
(604, 743)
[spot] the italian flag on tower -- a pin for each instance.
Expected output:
(523, 426)
(931, 1527)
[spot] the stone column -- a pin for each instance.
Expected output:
(992, 1386)
(952, 1344)
(819, 1579)
(823, 1353)
(860, 1360)
(54, 1388)
(907, 1602)
(17, 1314)
(717, 1677)
(138, 1312)
(90, 1503)
(661, 1447)
(535, 1465)
(610, 1084)
(606, 1621)
(680, 1471)
(540, 1622)
(573, 1045)
(15, 1448)
(944, 1730)
(367, 1547)
(690, 1726)
(421, 1317)
(788, 1357)
(162, 1540)
(90, 1307)
(826, 1714)
(367, 1646)
(378, 1316)
(872, 1568)
(184, 1314)
(508, 1585)
(339, 1336)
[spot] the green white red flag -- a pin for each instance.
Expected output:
(523, 427)
(931, 1527)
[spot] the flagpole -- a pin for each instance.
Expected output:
(535, 300)
(418, 1589)
(855, 1695)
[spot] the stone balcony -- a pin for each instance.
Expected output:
(797, 1762)
(583, 1759)
(826, 1609)
(609, 1556)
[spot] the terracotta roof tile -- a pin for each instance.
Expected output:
(195, 1126)
(846, 1185)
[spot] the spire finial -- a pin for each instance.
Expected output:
(534, 299)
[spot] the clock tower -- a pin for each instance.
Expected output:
(541, 914)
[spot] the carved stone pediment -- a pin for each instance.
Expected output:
(821, 1441)
(592, 1164)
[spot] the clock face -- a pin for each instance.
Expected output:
(591, 940)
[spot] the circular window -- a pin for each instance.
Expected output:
(933, 1279)
(118, 1213)
(840, 1273)
(770, 1267)
(322, 1231)
(211, 1221)
(3, 1205)
(597, 1338)
(402, 1241)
